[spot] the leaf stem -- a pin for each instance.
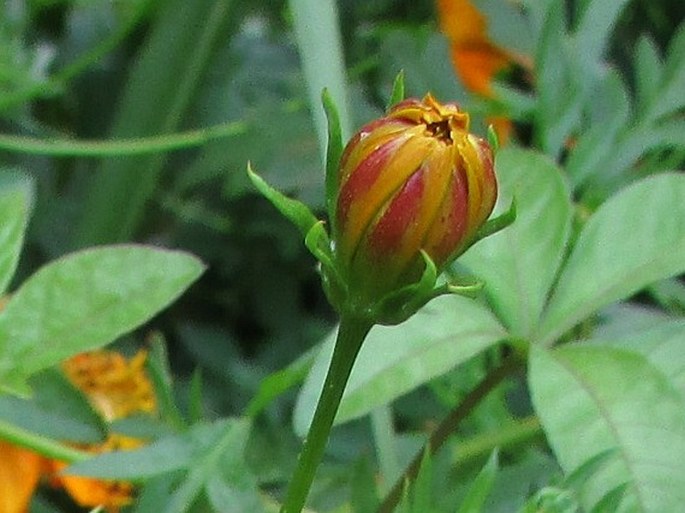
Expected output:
(39, 444)
(351, 334)
(119, 147)
(447, 427)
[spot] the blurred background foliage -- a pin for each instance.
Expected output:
(78, 70)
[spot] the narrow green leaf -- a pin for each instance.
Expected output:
(162, 83)
(227, 449)
(162, 381)
(279, 382)
(594, 30)
(56, 410)
(86, 300)
(231, 487)
(670, 97)
(519, 264)
(297, 212)
(594, 399)
(321, 53)
(609, 113)
(172, 453)
(334, 151)
(481, 487)
(16, 197)
(395, 360)
(363, 493)
(397, 94)
(648, 71)
(195, 403)
(586, 471)
(635, 238)
(421, 490)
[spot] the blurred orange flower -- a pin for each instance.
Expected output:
(476, 59)
(117, 387)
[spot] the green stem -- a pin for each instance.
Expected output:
(448, 426)
(519, 432)
(40, 444)
(120, 147)
(351, 334)
(384, 440)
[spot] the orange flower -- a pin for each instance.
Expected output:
(117, 387)
(20, 471)
(476, 59)
(415, 180)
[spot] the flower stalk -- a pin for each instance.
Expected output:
(408, 194)
(351, 334)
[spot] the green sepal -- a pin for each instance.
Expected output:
(493, 139)
(398, 306)
(397, 94)
(496, 224)
(470, 290)
(296, 211)
(333, 152)
(319, 245)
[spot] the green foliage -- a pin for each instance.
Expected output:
(86, 300)
(133, 121)
(593, 399)
(16, 192)
(395, 360)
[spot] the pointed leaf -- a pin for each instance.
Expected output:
(635, 238)
(16, 194)
(661, 344)
(397, 94)
(519, 264)
(176, 452)
(593, 399)
(394, 360)
(297, 212)
(56, 410)
(334, 151)
(86, 300)
(481, 487)
(648, 69)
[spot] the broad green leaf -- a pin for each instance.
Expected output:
(594, 399)
(56, 410)
(86, 300)
(172, 453)
(395, 360)
(635, 238)
(480, 489)
(16, 192)
(662, 345)
(519, 264)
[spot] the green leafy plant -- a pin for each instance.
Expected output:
(554, 384)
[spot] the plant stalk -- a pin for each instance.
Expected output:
(351, 334)
(39, 444)
(448, 426)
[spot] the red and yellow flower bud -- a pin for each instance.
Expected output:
(415, 180)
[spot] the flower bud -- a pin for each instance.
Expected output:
(415, 180)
